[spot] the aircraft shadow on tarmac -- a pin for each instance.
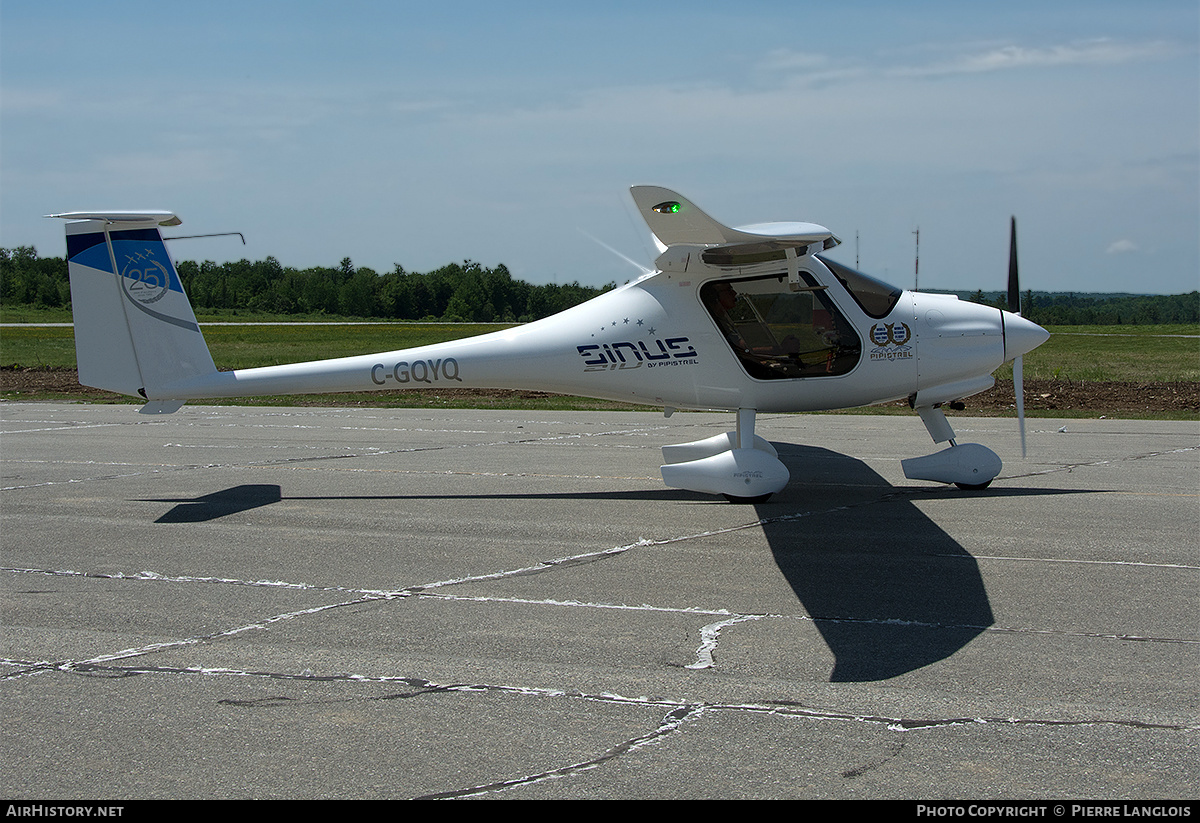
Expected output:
(219, 504)
(888, 589)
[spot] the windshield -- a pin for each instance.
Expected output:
(873, 296)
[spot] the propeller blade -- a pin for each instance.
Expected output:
(1019, 391)
(1014, 288)
(1014, 306)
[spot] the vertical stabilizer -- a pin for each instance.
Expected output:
(134, 328)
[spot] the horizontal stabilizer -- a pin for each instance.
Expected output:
(161, 218)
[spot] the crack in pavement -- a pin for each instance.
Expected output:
(677, 713)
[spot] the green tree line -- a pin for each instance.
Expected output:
(1070, 309)
(463, 291)
(468, 291)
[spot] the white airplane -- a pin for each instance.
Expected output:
(747, 320)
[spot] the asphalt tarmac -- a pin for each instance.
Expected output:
(370, 603)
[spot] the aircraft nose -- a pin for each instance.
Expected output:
(1021, 335)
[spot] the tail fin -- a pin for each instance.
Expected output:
(134, 328)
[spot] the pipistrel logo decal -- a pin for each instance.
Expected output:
(891, 341)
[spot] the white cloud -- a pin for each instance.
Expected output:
(1122, 247)
(788, 60)
(811, 69)
(29, 100)
(1085, 53)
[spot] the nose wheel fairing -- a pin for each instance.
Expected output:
(968, 465)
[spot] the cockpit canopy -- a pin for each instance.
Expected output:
(779, 330)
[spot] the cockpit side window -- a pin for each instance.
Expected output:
(873, 296)
(779, 332)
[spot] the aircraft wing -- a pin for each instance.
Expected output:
(675, 220)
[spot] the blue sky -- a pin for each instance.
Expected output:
(422, 134)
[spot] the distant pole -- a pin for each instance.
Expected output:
(856, 266)
(917, 262)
